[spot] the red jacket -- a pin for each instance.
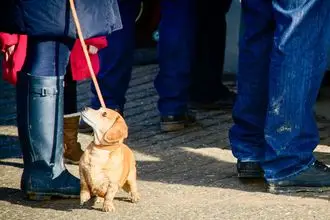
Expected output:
(77, 59)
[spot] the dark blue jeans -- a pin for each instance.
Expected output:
(175, 55)
(116, 60)
(49, 57)
(281, 63)
(207, 70)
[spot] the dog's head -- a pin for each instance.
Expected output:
(108, 125)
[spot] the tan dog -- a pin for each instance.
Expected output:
(107, 164)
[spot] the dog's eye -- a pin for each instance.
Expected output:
(104, 114)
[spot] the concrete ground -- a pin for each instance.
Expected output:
(183, 175)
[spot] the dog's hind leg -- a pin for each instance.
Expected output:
(108, 199)
(131, 186)
(85, 194)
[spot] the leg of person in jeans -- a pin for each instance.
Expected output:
(72, 148)
(176, 49)
(282, 133)
(40, 88)
(207, 89)
(249, 112)
(116, 62)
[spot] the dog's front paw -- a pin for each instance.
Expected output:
(108, 207)
(84, 197)
(135, 197)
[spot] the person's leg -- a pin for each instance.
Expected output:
(207, 90)
(298, 61)
(116, 60)
(176, 48)
(70, 93)
(72, 148)
(40, 121)
(247, 134)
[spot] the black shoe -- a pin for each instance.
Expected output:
(177, 122)
(226, 102)
(249, 170)
(85, 128)
(314, 179)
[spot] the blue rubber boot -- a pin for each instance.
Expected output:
(40, 128)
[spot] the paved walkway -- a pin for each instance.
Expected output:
(183, 175)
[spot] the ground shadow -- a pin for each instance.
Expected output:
(9, 147)
(7, 103)
(16, 196)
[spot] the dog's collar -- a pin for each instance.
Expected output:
(110, 147)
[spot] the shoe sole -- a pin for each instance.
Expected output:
(48, 196)
(171, 127)
(250, 175)
(295, 189)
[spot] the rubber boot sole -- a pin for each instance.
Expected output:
(39, 196)
(250, 175)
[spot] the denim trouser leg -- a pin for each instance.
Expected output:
(41, 62)
(116, 60)
(296, 66)
(40, 119)
(298, 61)
(247, 134)
(40, 59)
(176, 33)
(207, 68)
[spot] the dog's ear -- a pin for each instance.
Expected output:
(118, 132)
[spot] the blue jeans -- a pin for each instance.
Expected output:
(207, 70)
(116, 60)
(281, 63)
(49, 57)
(175, 55)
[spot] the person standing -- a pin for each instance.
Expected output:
(40, 84)
(175, 50)
(282, 58)
(207, 90)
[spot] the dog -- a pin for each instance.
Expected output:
(107, 163)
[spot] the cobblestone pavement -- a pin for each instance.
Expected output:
(183, 175)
